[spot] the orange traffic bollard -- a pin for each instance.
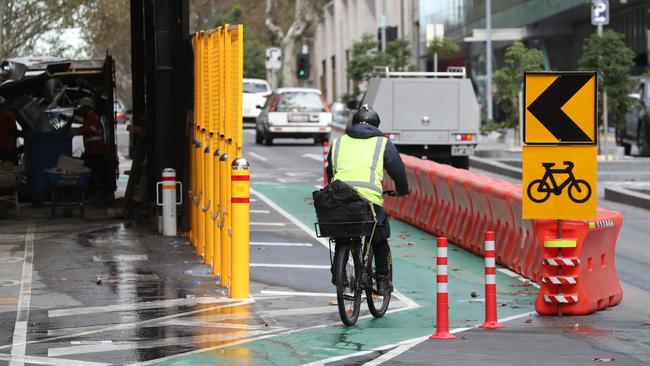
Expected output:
(491, 321)
(442, 297)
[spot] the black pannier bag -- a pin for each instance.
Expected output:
(341, 211)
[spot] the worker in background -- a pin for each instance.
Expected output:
(96, 154)
(8, 133)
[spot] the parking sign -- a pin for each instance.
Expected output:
(600, 12)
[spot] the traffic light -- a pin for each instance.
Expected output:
(302, 66)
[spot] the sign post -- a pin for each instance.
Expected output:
(559, 153)
(273, 63)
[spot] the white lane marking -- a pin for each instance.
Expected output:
(310, 231)
(257, 156)
(517, 276)
(291, 331)
(138, 306)
(252, 200)
(260, 211)
(121, 258)
(300, 311)
(267, 224)
(297, 293)
(121, 326)
(410, 342)
(266, 243)
(278, 265)
(35, 360)
(316, 157)
(24, 301)
(207, 324)
(200, 350)
(164, 342)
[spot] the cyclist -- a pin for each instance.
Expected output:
(359, 158)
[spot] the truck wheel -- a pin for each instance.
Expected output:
(460, 162)
(259, 138)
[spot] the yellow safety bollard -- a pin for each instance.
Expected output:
(216, 242)
(200, 246)
(209, 232)
(240, 199)
(224, 224)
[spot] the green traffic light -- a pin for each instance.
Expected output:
(302, 73)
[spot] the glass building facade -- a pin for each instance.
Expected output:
(556, 27)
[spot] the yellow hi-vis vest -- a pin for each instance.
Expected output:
(360, 163)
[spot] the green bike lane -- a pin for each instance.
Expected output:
(414, 257)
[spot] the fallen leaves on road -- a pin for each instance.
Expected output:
(456, 268)
(474, 294)
(332, 303)
(528, 321)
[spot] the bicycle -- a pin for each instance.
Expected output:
(576, 187)
(355, 271)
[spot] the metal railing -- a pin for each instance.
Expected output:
(452, 72)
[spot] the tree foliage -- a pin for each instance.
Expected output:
(508, 80)
(254, 48)
(24, 22)
(612, 59)
(289, 22)
(442, 46)
(365, 55)
(107, 28)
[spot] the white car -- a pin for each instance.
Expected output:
(294, 113)
(255, 93)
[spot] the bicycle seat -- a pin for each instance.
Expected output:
(548, 165)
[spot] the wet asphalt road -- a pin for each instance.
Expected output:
(87, 276)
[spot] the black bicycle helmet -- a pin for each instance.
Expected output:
(366, 115)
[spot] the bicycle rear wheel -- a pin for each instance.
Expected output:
(377, 304)
(348, 291)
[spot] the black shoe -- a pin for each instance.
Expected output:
(384, 285)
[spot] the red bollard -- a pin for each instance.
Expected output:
(442, 297)
(491, 321)
(326, 151)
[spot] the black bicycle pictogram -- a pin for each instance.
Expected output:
(540, 190)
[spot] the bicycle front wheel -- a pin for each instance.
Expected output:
(377, 304)
(348, 291)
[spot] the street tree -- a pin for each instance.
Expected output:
(254, 49)
(287, 30)
(23, 23)
(508, 81)
(107, 28)
(365, 56)
(441, 47)
(612, 59)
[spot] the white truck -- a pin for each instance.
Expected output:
(431, 115)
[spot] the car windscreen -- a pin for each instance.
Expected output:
(300, 102)
(255, 87)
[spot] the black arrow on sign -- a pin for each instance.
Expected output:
(546, 108)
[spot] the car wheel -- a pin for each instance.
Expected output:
(642, 140)
(268, 140)
(259, 137)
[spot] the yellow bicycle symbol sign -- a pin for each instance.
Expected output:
(540, 190)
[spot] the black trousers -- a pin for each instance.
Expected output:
(99, 165)
(380, 246)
